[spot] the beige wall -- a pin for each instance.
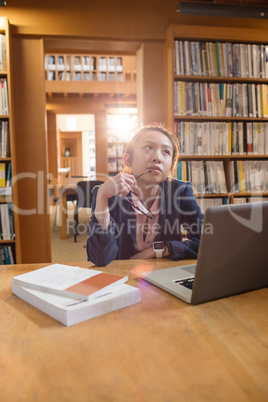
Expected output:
(115, 19)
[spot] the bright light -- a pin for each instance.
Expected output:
(121, 126)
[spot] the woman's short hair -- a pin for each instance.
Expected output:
(154, 127)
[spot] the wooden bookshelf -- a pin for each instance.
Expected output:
(115, 154)
(6, 154)
(187, 75)
(90, 73)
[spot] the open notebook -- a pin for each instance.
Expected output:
(232, 258)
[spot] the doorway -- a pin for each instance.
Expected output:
(76, 144)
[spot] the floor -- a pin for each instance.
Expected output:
(67, 250)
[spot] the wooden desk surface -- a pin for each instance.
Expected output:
(160, 349)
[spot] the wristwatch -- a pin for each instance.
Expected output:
(158, 247)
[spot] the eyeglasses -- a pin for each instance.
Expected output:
(147, 211)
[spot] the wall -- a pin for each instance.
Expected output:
(113, 19)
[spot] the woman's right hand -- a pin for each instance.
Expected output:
(120, 184)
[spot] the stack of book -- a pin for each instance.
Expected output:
(72, 294)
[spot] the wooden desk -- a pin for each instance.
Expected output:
(160, 349)
(60, 186)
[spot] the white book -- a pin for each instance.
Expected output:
(5, 224)
(72, 311)
(266, 175)
(187, 57)
(182, 70)
(177, 58)
(262, 138)
(202, 177)
(240, 138)
(205, 139)
(189, 132)
(250, 67)
(255, 61)
(244, 101)
(254, 100)
(266, 139)
(242, 60)
(255, 138)
(194, 177)
(6, 190)
(266, 61)
(217, 138)
(221, 139)
(258, 92)
(249, 138)
(222, 179)
(69, 281)
(5, 96)
(199, 139)
(232, 177)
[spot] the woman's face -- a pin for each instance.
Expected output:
(153, 152)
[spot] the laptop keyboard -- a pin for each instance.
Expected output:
(188, 283)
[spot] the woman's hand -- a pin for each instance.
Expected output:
(120, 184)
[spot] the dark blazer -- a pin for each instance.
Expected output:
(177, 207)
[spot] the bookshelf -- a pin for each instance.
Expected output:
(7, 233)
(90, 73)
(120, 129)
(217, 86)
(115, 154)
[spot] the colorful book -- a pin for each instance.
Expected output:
(2, 175)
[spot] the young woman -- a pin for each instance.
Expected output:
(139, 213)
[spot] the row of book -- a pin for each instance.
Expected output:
(3, 53)
(4, 139)
(218, 59)
(5, 176)
(205, 203)
(84, 76)
(207, 177)
(83, 63)
(6, 255)
(116, 150)
(222, 138)
(220, 99)
(245, 200)
(7, 231)
(3, 97)
(248, 176)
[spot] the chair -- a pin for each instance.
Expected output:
(84, 193)
(71, 195)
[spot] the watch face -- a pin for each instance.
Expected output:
(159, 245)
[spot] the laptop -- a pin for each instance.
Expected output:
(232, 257)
